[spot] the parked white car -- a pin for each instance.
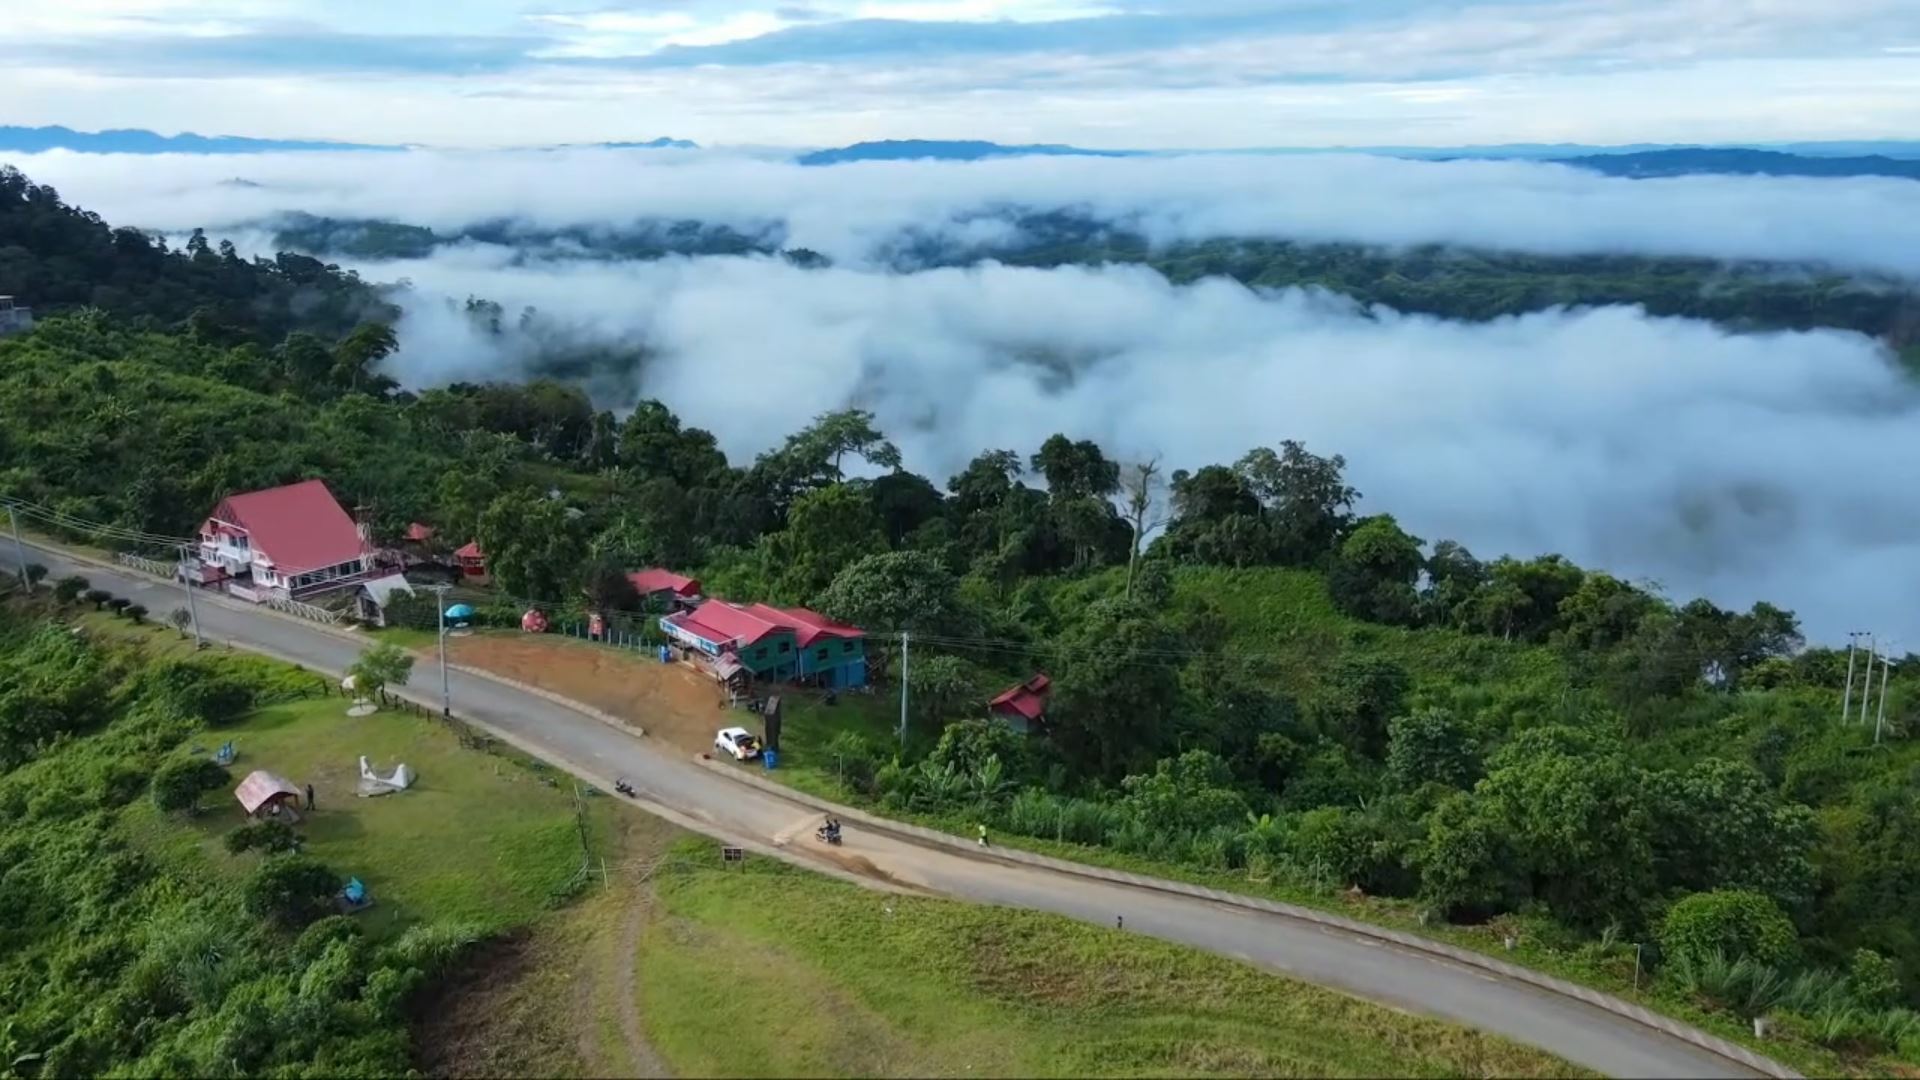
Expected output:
(737, 743)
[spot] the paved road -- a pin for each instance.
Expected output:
(1365, 967)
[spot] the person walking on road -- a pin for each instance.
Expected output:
(983, 834)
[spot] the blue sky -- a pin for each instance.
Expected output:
(1123, 73)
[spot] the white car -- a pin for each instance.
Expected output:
(737, 743)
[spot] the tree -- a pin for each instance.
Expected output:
(382, 665)
(1113, 688)
(1191, 793)
(292, 890)
(828, 530)
(1076, 470)
(359, 351)
(98, 598)
(1466, 863)
(1602, 612)
(1720, 825)
(181, 620)
(1730, 923)
(35, 573)
(895, 590)
(940, 686)
(1357, 694)
(607, 588)
(1453, 577)
(1431, 746)
(70, 588)
(905, 502)
(178, 785)
(1145, 491)
(534, 549)
(119, 604)
(1306, 501)
(136, 612)
(1374, 572)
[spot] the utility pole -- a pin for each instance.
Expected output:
(193, 609)
(1866, 693)
(1886, 673)
(903, 691)
(440, 611)
(19, 548)
(1846, 698)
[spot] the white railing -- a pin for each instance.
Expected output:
(243, 592)
(156, 567)
(304, 611)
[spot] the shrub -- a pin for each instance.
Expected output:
(199, 690)
(1872, 979)
(179, 784)
(120, 604)
(1731, 922)
(272, 837)
(136, 612)
(292, 890)
(35, 573)
(98, 597)
(181, 619)
(853, 755)
(70, 588)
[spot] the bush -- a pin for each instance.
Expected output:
(97, 597)
(292, 890)
(853, 755)
(35, 573)
(1732, 923)
(136, 612)
(198, 689)
(1872, 979)
(179, 784)
(272, 837)
(120, 604)
(70, 588)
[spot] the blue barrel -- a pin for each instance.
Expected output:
(770, 759)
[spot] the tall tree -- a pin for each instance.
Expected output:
(534, 548)
(1308, 503)
(1145, 491)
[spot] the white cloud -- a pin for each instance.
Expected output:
(1738, 467)
(843, 211)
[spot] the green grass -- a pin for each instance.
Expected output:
(481, 838)
(765, 970)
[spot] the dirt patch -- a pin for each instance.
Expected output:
(672, 703)
(456, 1031)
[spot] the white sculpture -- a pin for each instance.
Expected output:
(372, 783)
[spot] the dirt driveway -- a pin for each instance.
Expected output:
(675, 705)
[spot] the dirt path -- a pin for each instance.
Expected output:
(625, 963)
(675, 705)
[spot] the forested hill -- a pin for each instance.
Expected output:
(1739, 161)
(1450, 282)
(55, 257)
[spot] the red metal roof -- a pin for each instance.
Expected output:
(1029, 699)
(724, 623)
(298, 527)
(653, 579)
(811, 626)
(419, 533)
(471, 551)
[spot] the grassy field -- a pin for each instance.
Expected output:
(481, 837)
(765, 970)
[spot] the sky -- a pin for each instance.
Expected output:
(1105, 73)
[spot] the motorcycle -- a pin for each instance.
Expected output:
(828, 834)
(623, 788)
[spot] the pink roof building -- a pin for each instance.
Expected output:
(286, 541)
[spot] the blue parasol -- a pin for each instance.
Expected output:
(460, 611)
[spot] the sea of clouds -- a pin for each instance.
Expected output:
(1739, 467)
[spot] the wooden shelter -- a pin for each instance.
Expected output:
(266, 795)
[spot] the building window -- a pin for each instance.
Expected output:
(760, 653)
(822, 654)
(848, 645)
(786, 646)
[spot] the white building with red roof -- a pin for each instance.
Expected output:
(288, 542)
(664, 587)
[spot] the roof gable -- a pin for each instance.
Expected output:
(297, 527)
(810, 626)
(735, 625)
(1029, 699)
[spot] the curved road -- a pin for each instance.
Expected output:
(697, 797)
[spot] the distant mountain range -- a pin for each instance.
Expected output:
(26, 140)
(1741, 162)
(936, 150)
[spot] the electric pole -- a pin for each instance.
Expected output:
(193, 609)
(440, 610)
(1866, 693)
(19, 548)
(1846, 698)
(903, 691)
(1886, 672)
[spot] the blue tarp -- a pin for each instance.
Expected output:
(460, 611)
(354, 892)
